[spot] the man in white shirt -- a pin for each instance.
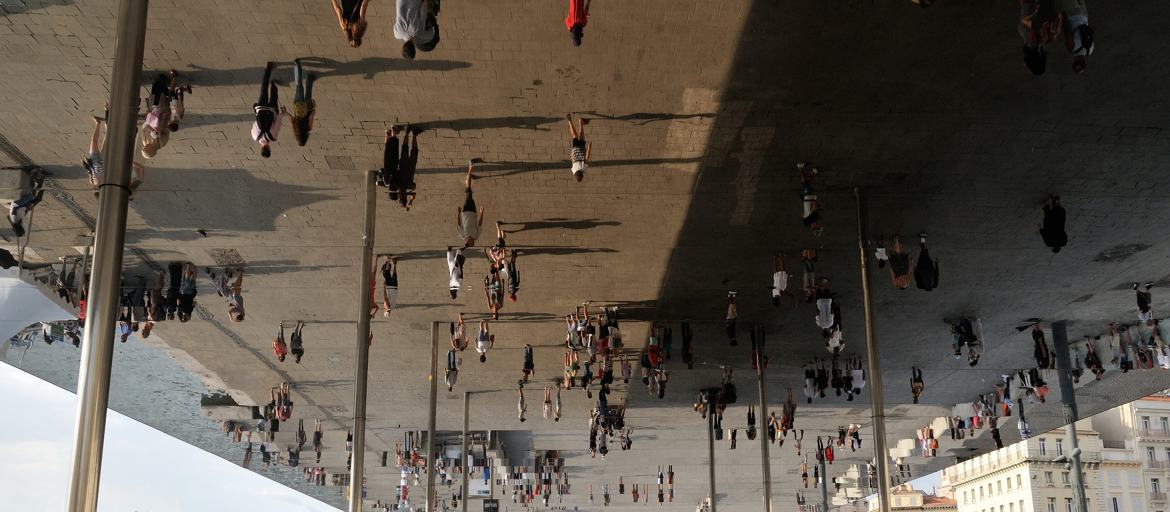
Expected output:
(455, 269)
(415, 24)
(469, 219)
(484, 341)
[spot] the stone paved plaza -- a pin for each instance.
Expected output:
(698, 114)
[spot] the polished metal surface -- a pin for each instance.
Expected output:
(765, 458)
(362, 361)
(93, 382)
(877, 402)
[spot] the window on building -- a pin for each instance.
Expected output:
(998, 487)
(1001, 508)
(1116, 506)
(1011, 507)
(1043, 447)
(1048, 477)
(1155, 485)
(1150, 455)
(1009, 483)
(1019, 481)
(1059, 447)
(1051, 505)
(1064, 477)
(980, 492)
(1168, 454)
(1145, 422)
(964, 497)
(1164, 424)
(1068, 505)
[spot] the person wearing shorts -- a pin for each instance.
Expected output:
(469, 219)
(484, 341)
(93, 163)
(579, 149)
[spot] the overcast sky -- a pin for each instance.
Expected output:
(142, 470)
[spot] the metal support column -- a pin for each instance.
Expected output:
(434, 378)
(765, 459)
(465, 464)
(824, 485)
(362, 366)
(711, 447)
(876, 399)
(1069, 400)
(97, 349)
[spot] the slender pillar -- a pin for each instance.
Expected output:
(466, 466)
(711, 446)
(876, 399)
(362, 365)
(434, 378)
(1069, 400)
(765, 459)
(97, 349)
(824, 485)
(27, 238)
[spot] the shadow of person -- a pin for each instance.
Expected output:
(561, 223)
(644, 118)
(23, 6)
(490, 123)
(368, 67)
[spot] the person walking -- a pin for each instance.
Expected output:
(521, 405)
(22, 207)
(926, 271)
(579, 148)
(455, 261)
(780, 281)
(351, 17)
(916, 383)
(547, 412)
(267, 124)
(389, 284)
(232, 293)
(513, 272)
(459, 334)
(452, 374)
(416, 25)
(900, 263)
(469, 219)
(1144, 301)
(484, 340)
(279, 346)
(811, 213)
(732, 315)
(155, 133)
(93, 161)
(304, 107)
(688, 352)
(187, 292)
(296, 344)
(577, 19)
(1052, 227)
(529, 365)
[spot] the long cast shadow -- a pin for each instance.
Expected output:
(368, 67)
(561, 224)
(644, 118)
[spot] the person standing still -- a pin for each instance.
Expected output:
(1052, 227)
(579, 149)
(351, 16)
(469, 219)
(577, 19)
(267, 124)
(416, 26)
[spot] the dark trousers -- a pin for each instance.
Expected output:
(268, 98)
(390, 161)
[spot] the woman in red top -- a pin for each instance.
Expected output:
(279, 347)
(577, 19)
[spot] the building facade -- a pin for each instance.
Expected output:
(1125, 456)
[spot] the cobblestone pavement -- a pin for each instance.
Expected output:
(698, 116)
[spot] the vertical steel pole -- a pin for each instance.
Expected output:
(877, 400)
(1069, 400)
(465, 464)
(27, 238)
(97, 349)
(362, 365)
(824, 485)
(711, 411)
(434, 378)
(765, 459)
